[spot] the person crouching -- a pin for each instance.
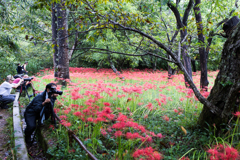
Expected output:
(34, 108)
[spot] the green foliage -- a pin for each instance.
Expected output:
(27, 25)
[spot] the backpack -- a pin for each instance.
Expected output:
(19, 69)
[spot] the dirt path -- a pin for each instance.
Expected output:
(5, 149)
(35, 151)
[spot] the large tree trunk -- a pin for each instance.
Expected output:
(63, 65)
(54, 39)
(225, 92)
(202, 52)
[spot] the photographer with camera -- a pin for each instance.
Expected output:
(25, 78)
(5, 90)
(40, 108)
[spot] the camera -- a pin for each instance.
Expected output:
(28, 79)
(53, 90)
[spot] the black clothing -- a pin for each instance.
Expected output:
(19, 70)
(6, 99)
(32, 113)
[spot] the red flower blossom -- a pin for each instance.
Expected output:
(90, 119)
(66, 111)
(175, 110)
(223, 152)
(159, 135)
(184, 158)
(118, 134)
(103, 132)
(71, 151)
(51, 126)
(148, 153)
(106, 104)
(130, 135)
(63, 117)
(237, 114)
(166, 118)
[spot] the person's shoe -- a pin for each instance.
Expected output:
(5, 107)
(28, 140)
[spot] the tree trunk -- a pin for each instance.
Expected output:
(202, 52)
(63, 65)
(171, 71)
(54, 39)
(114, 68)
(186, 57)
(225, 92)
(194, 65)
(155, 65)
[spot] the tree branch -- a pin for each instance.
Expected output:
(203, 100)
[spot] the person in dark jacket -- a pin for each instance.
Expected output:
(19, 69)
(34, 109)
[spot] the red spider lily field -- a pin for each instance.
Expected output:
(144, 116)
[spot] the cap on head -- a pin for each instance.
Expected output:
(10, 77)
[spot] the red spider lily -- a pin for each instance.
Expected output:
(122, 117)
(175, 110)
(130, 135)
(90, 119)
(223, 152)
(147, 153)
(119, 125)
(152, 134)
(77, 114)
(63, 117)
(65, 123)
(181, 99)
(159, 135)
(106, 104)
(66, 111)
(103, 132)
(147, 139)
(51, 126)
(166, 118)
(150, 106)
(71, 151)
(118, 134)
(56, 110)
(237, 114)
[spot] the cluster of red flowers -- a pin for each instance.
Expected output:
(147, 153)
(220, 152)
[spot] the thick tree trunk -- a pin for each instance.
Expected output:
(54, 38)
(202, 52)
(225, 92)
(63, 65)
